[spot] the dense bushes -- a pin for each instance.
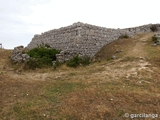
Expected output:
(41, 57)
(76, 61)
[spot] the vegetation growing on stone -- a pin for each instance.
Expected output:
(42, 57)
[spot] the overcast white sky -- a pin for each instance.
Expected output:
(21, 19)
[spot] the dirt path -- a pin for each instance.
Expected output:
(138, 49)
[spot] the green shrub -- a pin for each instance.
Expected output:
(124, 36)
(76, 61)
(154, 39)
(153, 28)
(43, 57)
(85, 60)
(32, 64)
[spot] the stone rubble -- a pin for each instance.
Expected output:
(19, 55)
(65, 56)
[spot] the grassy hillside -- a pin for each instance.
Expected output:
(106, 89)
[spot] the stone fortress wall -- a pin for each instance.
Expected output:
(84, 39)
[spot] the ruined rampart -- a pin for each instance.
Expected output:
(84, 39)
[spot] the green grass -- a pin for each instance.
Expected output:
(60, 88)
(35, 106)
(28, 110)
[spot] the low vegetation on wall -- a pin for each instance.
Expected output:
(41, 57)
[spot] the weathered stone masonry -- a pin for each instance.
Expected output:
(84, 39)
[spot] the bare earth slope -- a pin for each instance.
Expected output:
(103, 90)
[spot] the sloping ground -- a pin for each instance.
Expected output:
(103, 90)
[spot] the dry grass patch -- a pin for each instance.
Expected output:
(106, 104)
